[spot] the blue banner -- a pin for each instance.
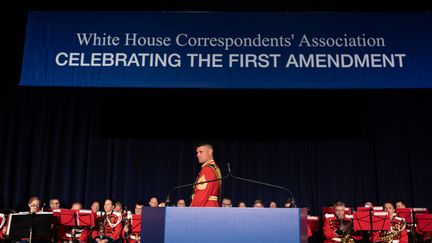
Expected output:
(228, 50)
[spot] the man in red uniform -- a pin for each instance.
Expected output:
(338, 225)
(206, 194)
(127, 235)
(109, 226)
(397, 233)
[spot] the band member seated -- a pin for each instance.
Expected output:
(109, 225)
(34, 205)
(181, 203)
(397, 231)
(289, 203)
(95, 206)
(258, 203)
(118, 207)
(126, 234)
(153, 203)
(400, 204)
(339, 226)
(71, 234)
(54, 204)
(226, 202)
(242, 204)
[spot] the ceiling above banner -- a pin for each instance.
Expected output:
(228, 50)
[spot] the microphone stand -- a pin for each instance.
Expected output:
(167, 200)
(261, 183)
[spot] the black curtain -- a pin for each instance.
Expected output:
(132, 144)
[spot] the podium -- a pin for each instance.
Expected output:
(228, 225)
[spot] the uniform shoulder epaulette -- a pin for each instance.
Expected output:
(2, 220)
(329, 215)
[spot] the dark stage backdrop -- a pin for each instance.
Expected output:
(89, 144)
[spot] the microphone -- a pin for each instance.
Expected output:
(262, 183)
(168, 201)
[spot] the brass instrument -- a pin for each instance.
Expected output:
(394, 233)
(348, 229)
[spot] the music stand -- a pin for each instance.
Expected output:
(64, 217)
(424, 222)
(136, 223)
(380, 221)
(362, 221)
(27, 225)
(85, 218)
(77, 219)
(423, 226)
(371, 221)
(406, 213)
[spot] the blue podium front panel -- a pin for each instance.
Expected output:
(225, 225)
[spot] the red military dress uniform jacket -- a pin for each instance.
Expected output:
(112, 227)
(396, 224)
(130, 236)
(207, 194)
(331, 226)
(3, 226)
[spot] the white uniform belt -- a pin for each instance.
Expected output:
(133, 237)
(337, 239)
(70, 235)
